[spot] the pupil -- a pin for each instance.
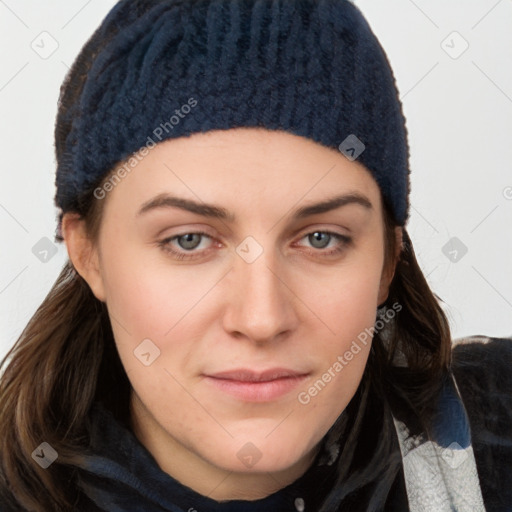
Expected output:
(189, 241)
(319, 240)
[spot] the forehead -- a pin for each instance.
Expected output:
(244, 165)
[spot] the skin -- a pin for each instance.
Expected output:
(294, 306)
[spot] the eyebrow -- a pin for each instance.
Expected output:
(217, 212)
(333, 204)
(168, 201)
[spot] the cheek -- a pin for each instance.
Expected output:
(149, 300)
(346, 306)
(346, 299)
(149, 297)
(342, 359)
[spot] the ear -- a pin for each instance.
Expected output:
(389, 273)
(83, 253)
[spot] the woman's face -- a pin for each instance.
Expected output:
(240, 269)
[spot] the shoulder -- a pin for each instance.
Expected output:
(483, 371)
(484, 360)
(482, 367)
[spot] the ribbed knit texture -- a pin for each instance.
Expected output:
(309, 67)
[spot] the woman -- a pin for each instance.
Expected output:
(242, 324)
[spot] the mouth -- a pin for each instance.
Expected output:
(253, 386)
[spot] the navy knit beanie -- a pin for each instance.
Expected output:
(161, 69)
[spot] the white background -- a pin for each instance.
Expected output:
(459, 114)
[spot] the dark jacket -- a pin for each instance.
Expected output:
(483, 369)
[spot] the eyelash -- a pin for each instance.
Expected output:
(165, 245)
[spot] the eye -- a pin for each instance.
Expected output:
(189, 241)
(319, 239)
(184, 246)
(334, 242)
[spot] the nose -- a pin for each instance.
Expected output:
(260, 303)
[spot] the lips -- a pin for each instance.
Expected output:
(244, 375)
(257, 386)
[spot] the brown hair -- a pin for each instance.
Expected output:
(64, 359)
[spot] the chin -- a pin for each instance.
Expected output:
(263, 455)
